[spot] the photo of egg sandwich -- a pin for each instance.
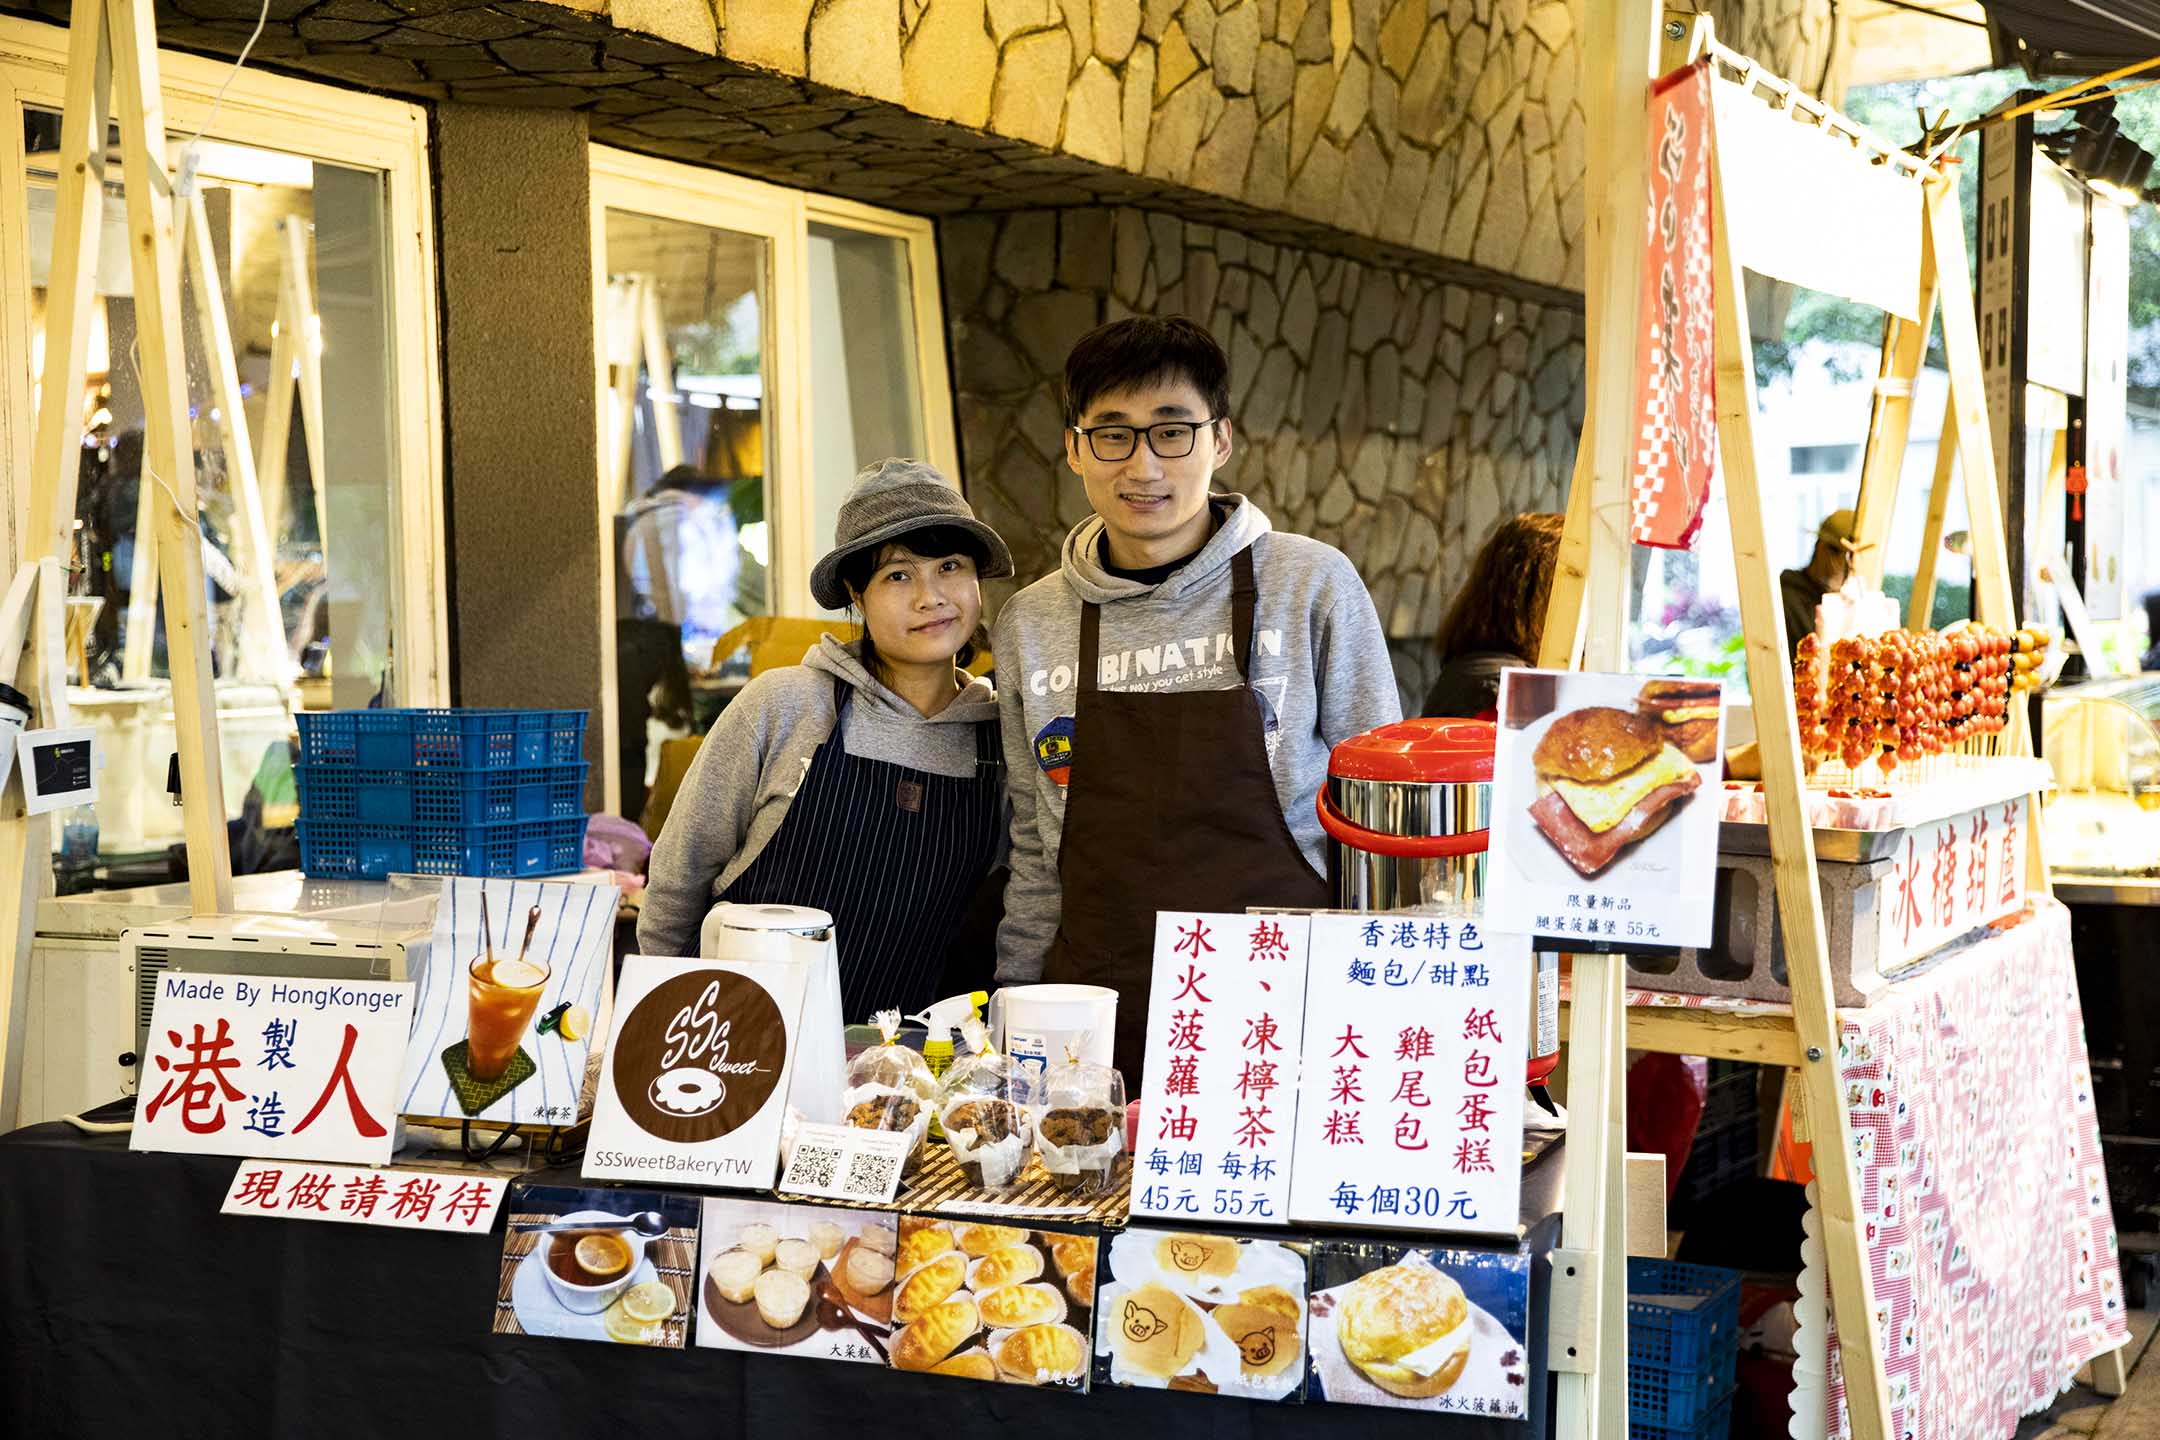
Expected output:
(1607, 778)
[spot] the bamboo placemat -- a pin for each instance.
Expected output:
(940, 1186)
(673, 1256)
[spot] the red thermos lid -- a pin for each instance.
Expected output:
(1419, 752)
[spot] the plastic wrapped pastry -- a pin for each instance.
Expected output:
(984, 1106)
(1080, 1122)
(889, 1087)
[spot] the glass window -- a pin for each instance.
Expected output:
(689, 446)
(760, 345)
(865, 395)
(303, 322)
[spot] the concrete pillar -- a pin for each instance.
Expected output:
(521, 417)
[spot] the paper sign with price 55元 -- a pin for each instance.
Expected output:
(1221, 1096)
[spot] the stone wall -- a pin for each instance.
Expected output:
(1443, 135)
(1393, 416)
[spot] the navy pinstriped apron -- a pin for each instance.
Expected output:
(893, 854)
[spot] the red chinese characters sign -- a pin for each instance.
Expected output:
(1408, 1119)
(407, 1199)
(260, 1065)
(1953, 876)
(1675, 378)
(1220, 1099)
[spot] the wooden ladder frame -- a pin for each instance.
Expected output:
(112, 74)
(1586, 625)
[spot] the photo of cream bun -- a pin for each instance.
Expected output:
(993, 1302)
(1607, 779)
(1406, 1329)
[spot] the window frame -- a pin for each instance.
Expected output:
(318, 122)
(670, 190)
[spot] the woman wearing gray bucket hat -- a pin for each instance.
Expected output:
(868, 781)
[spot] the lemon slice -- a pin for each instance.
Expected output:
(576, 1023)
(622, 1328)
(649, 1303)
(602, 1256)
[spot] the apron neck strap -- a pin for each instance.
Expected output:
(842, 692)
(989, 746)
(1244, 594)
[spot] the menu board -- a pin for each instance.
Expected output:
(1605, 805)
(1416, 1039)
(1221, 1095)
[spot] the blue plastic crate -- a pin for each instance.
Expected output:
(1680, 1359)
(447, 739)
(350, 850)
(1714, 1426)
(442, 796)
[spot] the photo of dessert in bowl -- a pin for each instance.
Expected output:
(592, 1264)
(797, 1279)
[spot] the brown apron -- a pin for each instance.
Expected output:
(1171, 806)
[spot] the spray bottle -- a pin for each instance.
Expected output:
(943, 1021)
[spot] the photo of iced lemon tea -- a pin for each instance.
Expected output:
(502, 996)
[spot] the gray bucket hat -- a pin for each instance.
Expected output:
(894, 498)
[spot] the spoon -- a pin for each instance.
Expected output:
(833, 1311)
(649, 1223)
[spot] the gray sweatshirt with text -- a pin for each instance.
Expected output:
(758, 755)
(1320, 664)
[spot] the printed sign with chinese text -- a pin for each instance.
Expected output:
(1605, 803)
(1952, 876)
(404, 1199)
(259, 1065)
(1416, 1039)
(1222, 1044)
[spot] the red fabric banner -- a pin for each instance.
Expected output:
(1675, 375)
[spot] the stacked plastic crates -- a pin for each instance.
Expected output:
(498, 793)
(1683, 1349)
(1727, 1146)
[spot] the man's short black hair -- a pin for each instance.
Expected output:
(1144, 350)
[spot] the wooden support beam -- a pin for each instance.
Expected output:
(1922, 606)
(168, 450)
(79, 211)
(1889, 429)
(265, 654)
(1792, 842)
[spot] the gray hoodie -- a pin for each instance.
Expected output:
(756, 758)
(1320, 664)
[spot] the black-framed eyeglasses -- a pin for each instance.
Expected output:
(1169, 439)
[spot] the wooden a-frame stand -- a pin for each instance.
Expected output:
(1586, 625)
(112, 74)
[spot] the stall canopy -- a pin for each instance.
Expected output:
(2073, 37)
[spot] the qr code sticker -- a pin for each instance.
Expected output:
(813, 1167)
(870, 1174)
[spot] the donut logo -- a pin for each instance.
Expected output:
(699, 1056)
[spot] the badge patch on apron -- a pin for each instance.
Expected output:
(908, 795)
(1053, 749)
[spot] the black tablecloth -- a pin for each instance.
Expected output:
(132, 1307)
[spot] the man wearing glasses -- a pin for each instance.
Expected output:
(1169, 696)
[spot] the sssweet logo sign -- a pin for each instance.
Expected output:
(699, 1056)
(696, 1081)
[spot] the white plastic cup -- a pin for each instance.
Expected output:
(1034, 1023)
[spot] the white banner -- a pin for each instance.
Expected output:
(1808, 205)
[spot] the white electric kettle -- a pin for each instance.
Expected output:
(796, 935)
